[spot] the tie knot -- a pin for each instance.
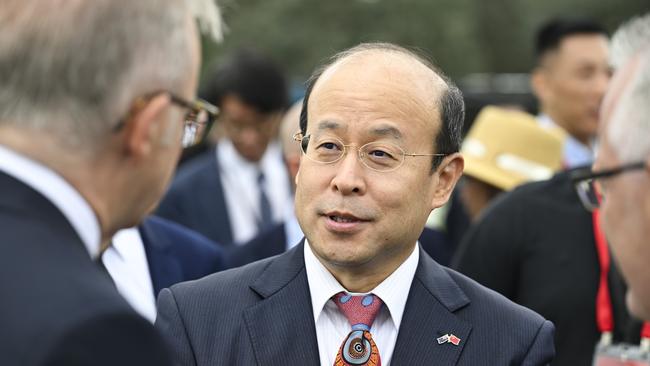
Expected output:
(359, 310)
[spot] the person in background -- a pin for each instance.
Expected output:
(540, 248)
(239, 187)
(504, 149)
(96, 100)
(156, 254)
(380, 133)
(569, 81)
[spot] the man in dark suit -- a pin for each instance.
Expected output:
(239, 187)
(157, 254)
(380, 133)
(91, 123)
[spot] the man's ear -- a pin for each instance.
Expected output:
(145, 125)
(449, 172)
(539, 83)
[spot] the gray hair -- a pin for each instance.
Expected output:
(629, 127)
(629, 130)
(629, 39)
(71, 69)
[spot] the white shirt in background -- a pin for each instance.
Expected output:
(239, 180)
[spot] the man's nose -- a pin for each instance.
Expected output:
(350, 174)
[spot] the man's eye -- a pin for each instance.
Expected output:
(328, 146)
(379, 154)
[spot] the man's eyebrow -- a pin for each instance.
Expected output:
(328, 125)
(387, 131)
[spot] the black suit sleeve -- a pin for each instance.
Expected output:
(109, 340)
(542, 351)
(170, 325)
(490, 252)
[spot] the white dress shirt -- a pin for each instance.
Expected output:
(575, 153)
(239, 182)
(58, 191)
(292, 230)
(126, 262)
(331, 325)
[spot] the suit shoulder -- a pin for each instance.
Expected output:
(225, 283)
(485, 302)
(196, 169)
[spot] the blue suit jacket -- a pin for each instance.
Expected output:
(176, 253)
(196, 199)
(274, 241)
(261, 314)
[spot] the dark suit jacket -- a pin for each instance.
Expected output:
(196, 199)
(274, 241)
(57, 307)
(176, 253)
(261, 314)
(535, 245)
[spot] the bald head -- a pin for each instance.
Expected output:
(384, 68)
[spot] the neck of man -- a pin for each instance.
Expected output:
(363, 278)
(85, 173)
(584, 139)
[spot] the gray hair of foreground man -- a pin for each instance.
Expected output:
(70, 69)
(628, 134)
(451, 106)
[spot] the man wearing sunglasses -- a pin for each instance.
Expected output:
(619, 185)
(95, 104)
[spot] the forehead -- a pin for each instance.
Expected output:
(581, 48)
(377, 85)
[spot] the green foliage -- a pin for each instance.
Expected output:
(461, 36)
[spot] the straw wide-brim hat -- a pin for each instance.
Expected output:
(506, 148)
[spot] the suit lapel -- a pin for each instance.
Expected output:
(429, 314)
(281, 326)
(164, 268)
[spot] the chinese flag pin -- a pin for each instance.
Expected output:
(454, 340)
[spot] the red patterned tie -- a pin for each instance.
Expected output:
(358, 348)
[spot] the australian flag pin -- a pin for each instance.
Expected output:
(443, 339)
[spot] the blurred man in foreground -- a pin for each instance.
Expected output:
(621, 173)
(380, 135)
(95, 101)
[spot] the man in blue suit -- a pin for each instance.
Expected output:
(157, 254)
(380, 134)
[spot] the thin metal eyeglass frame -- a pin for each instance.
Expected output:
(299, 138)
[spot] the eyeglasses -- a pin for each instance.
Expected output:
(378, 155)
(197, 122)
(586, 184)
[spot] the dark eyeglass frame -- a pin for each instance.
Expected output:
(584, 179)
(195, 107)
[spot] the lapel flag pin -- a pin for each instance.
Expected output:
(454, 340)
(443, 339)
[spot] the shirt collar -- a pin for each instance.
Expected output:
(59, 192)
(231, 160)
(393, 291)
(575, 152)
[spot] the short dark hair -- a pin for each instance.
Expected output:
(452, 105)
(550, 34)
(251, 76)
